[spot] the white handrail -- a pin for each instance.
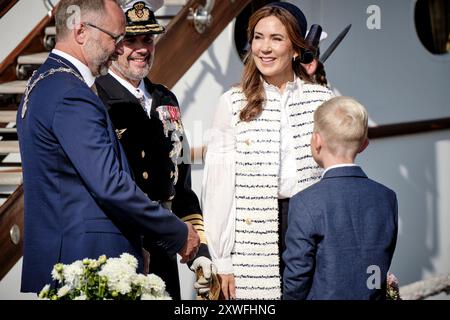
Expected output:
(50, 6)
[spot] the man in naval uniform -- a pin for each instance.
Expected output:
(146, 117)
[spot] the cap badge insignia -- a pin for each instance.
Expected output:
(139, 12)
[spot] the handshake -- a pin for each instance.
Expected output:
(207, 283)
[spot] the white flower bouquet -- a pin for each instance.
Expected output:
(104, 279)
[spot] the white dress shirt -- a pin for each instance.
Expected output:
(339, 166)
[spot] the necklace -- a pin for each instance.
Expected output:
(60, 61)
(34, 81)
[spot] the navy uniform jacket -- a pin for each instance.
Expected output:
(160, 169)
(338, 230)
(80, 198)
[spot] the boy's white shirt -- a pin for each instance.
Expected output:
(339, 166)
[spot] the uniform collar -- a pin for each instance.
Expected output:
(128, 85)
(81, 67)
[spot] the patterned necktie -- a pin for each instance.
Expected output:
(94, 89)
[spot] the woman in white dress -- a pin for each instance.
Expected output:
(259, 155)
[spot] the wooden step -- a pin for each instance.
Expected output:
(50, 38)
(8, 134)
(10, 178)
(27, 64)
(7, 130)
(168, 3)
(11, 160)
(8, 116)
(50, 31)
(35, 58)
(9, 147)
(11, 169)
(13, 87)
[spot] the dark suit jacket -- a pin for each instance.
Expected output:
(80, 198)
(159, 170)
(338, 230)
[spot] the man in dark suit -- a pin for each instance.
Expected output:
(80, 197)
(342, 231)
(147, 120)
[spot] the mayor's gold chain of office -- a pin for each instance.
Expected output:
(30, 86)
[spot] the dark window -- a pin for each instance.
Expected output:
(432, 19)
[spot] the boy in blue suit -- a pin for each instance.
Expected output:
(342, 231)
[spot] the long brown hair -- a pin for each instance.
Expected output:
(251, 83)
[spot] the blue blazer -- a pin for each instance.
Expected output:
(80, 197)
(341, 236)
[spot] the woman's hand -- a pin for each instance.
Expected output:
(227, 286)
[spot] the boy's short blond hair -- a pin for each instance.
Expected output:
(342, 122)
